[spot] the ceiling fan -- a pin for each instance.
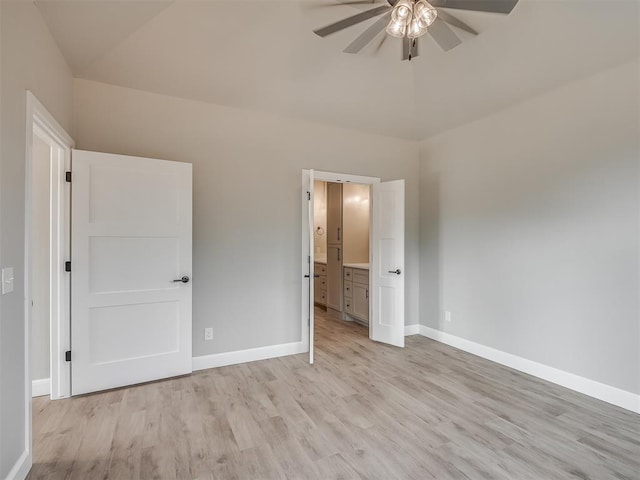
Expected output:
(411, 19)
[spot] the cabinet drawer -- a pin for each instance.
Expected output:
(348, 288)
(348, 273)
(320, 297)
(348, 306)
(320, 268)
(361, 276)
(321, 281)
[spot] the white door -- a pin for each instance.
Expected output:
(131, 263)
(308, 271)
(387, 265)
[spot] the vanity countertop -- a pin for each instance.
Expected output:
(364, 266)
(320, 259)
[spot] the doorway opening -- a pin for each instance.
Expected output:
(341, 241)
(379, 278)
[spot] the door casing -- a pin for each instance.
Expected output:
(325, 177)
(38, 119)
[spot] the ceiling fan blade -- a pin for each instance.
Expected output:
(369, 34)
(443, 35)
(382, 40)
(493, 6)
(353, 20)
(456, 22)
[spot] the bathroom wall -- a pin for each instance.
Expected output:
(355, 222)
(320, 218)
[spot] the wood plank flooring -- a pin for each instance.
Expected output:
(363, 411)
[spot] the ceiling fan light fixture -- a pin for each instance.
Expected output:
(396, 28)
(425, 13)
(402, 11)
(416, 28)
(410, 19)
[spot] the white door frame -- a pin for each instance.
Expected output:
(308, 271)
(39, 121)
(324, 177)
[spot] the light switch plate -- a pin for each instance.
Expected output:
(7, 280)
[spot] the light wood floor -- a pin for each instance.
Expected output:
(363, 411)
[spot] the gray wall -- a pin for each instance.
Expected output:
(29, 60)
(247, 212)
(529, 229)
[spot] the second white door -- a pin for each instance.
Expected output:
(387, 266)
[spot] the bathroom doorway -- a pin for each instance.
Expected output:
(341, 250)
(362, 284)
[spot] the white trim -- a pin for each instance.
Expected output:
(311, 265)
(601, 391)
(46, 121)
(60, 331)
(41, 387)
(306, 267)
(249, 355)
(344, 178)
(21, 468)
(40, 121)
(411, 330)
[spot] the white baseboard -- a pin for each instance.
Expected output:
(249, 355)
(21, 468)
(601, 391)
(412, 330)
(40, 387)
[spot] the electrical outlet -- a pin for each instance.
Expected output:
(208, 333)
(447, 315)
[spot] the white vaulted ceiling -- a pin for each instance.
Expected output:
(263, 55)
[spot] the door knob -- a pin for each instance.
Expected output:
(396, 271)
(184, 279)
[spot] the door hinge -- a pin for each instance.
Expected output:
(309, 196)
(67, 356)
(67, 177)
(67, 266)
